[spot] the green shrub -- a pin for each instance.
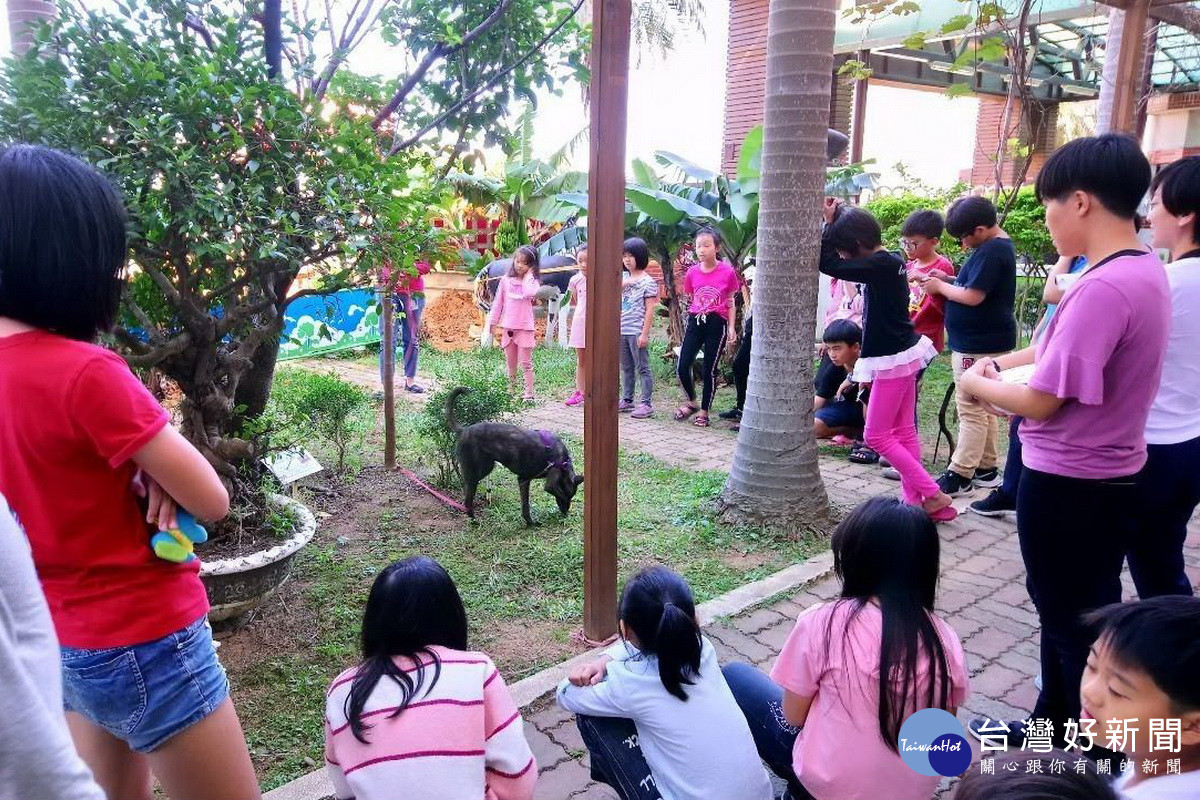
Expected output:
(891, 211)
(489, 399)
(1026, 224)
(306, 403)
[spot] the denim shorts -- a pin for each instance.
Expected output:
(146, 693)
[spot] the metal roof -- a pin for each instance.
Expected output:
(1070, 38)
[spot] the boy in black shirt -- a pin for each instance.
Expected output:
(979, 324)
(837, 412)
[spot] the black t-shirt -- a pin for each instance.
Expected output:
(887, 329)
(830, 378)
(989, 327)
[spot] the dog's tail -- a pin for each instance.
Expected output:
(452, 418)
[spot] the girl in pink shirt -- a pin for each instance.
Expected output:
(824, 721)
(421, 717)
(511, 317)
(578, 289)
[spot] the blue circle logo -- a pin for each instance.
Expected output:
(933, 742)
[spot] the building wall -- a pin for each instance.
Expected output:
(991, 131)
(745, 76)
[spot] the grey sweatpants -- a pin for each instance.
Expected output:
(635, 363)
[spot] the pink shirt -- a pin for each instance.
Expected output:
(461, 739)
(711, 291)
(1102, 354)
(842, 306)
(409, 284)
(834, 658)
(513, 307)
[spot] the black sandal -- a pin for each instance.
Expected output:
(861, 454)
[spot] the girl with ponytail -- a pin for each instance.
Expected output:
(655, 712)
(828, 718)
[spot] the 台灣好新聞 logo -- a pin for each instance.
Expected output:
(933, 742)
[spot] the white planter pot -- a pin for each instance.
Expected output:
(238, 585)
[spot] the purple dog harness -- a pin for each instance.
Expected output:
(549, 441)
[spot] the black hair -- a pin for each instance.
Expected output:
(853, 231)
(712, 233)
(1180, 185)
(888, 550)
(413, 606)
(842, 331)
(657, 606)
(1110, 167)
(924, 222)
(531, 255)
(62, 242)
(1160, 637)
(968, 213)
(1019, 784)
(639, 250)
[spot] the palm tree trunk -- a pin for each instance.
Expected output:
(774, 478)
(22, 14)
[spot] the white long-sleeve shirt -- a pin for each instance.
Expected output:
(698, 749)
(37, 757)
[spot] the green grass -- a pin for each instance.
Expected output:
(522, 586)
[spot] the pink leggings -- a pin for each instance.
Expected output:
(523, 357)
(891, 431)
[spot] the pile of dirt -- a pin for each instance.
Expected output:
(448, 320)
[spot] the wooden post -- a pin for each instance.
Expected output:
(387, 356)
(1124, 80)
(858, 119)
(606, 232)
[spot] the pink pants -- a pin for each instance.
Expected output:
(516, 356)
(891, 431)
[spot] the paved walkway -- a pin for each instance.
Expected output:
(982, 595)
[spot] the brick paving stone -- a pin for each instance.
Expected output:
(996, 680)
(596, 791)
(988, 643)
(547, 751)
(567, 736)
(758, 619)
(746, 648)
(775, 636)
(561, 781)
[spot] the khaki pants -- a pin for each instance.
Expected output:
(976, 448)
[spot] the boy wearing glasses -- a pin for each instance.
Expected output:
(920, 237)
(980, 324)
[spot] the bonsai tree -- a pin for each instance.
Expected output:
(240, 174)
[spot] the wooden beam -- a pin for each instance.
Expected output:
(1126, 79)
(609, 94)
(1186, 17)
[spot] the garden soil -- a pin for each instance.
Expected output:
(448, 320)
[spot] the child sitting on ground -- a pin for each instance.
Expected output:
(837, 737)
(1143, 673)
(655, 713)
(422, 717)
(1054, 775)
(838, 406)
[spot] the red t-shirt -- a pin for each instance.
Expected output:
(71, 416)
(928, 312)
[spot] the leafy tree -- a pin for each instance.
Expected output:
(238, 175)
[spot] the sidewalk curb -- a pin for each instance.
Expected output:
(528, 690)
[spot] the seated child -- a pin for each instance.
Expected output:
(837, 410)
(421, 717)
(1143, 672)
(655, 713)
(1053, 776)
(824, 721)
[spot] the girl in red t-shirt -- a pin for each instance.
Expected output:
(142, 686)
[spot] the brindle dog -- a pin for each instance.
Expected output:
(530, 455)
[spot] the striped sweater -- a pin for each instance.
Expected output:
(462, 739)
